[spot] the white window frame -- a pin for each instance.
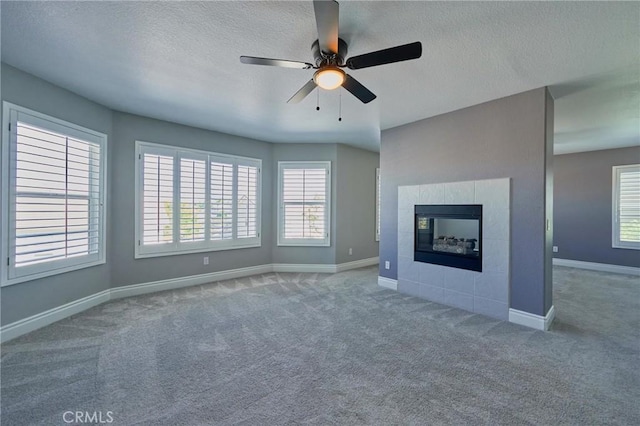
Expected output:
(185, 247)
(615, 217)
(11, 114)
(378, 206)
(315, 242)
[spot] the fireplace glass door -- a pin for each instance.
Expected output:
(449, 235)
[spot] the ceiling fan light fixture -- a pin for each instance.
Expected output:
(329, 78)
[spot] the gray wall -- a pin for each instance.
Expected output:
(583, 206)
(356, 204)
(127, 270)
(305, 152)
(353, 173)
(497, 139)
(29, 298)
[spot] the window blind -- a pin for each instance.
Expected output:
(192, 199)
(629, 204)
(56, 214)
(221, 201)
(157, 199)
(378, 205)
(247, 201)
(304, 203)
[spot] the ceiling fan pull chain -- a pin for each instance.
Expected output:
(318, 100)
(340, 105)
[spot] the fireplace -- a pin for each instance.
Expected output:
(449, 235)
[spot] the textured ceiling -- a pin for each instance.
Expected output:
(598, 112)
(179, 61)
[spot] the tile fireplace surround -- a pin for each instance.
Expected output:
(485, 292)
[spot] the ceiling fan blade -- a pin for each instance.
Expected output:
(386, 56)
(252, 60)
(358, 90)
(326, 12)
(303, 92)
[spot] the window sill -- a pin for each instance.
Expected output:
(627, 247)
(58, 271)
(304, 244)
(195, 250)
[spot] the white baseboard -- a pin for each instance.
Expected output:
(304, 268)
(388, 283)
(531, 320)
(26, 325)
(324, 268)
(357, 264)
(34, 322)
(174, 283)
(603, 267)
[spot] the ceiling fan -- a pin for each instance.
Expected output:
(329, 52)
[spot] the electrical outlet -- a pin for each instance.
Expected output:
(387, 264)
(555, 249)
(206, 260)
(350, 251)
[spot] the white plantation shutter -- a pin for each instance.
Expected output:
(378, 205)
(221, 200)
(304, 197)
(157, 199)
(304, 189)
(193, 201)
(193, 177)
(247, 226)
(626, 226)
(55, 196)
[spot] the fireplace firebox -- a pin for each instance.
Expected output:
(449, 235)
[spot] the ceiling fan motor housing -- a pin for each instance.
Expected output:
(328, 58)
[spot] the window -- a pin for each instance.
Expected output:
(626, 206)
(191, 201)
(53, 175)
(304, 192)
(378, 204)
